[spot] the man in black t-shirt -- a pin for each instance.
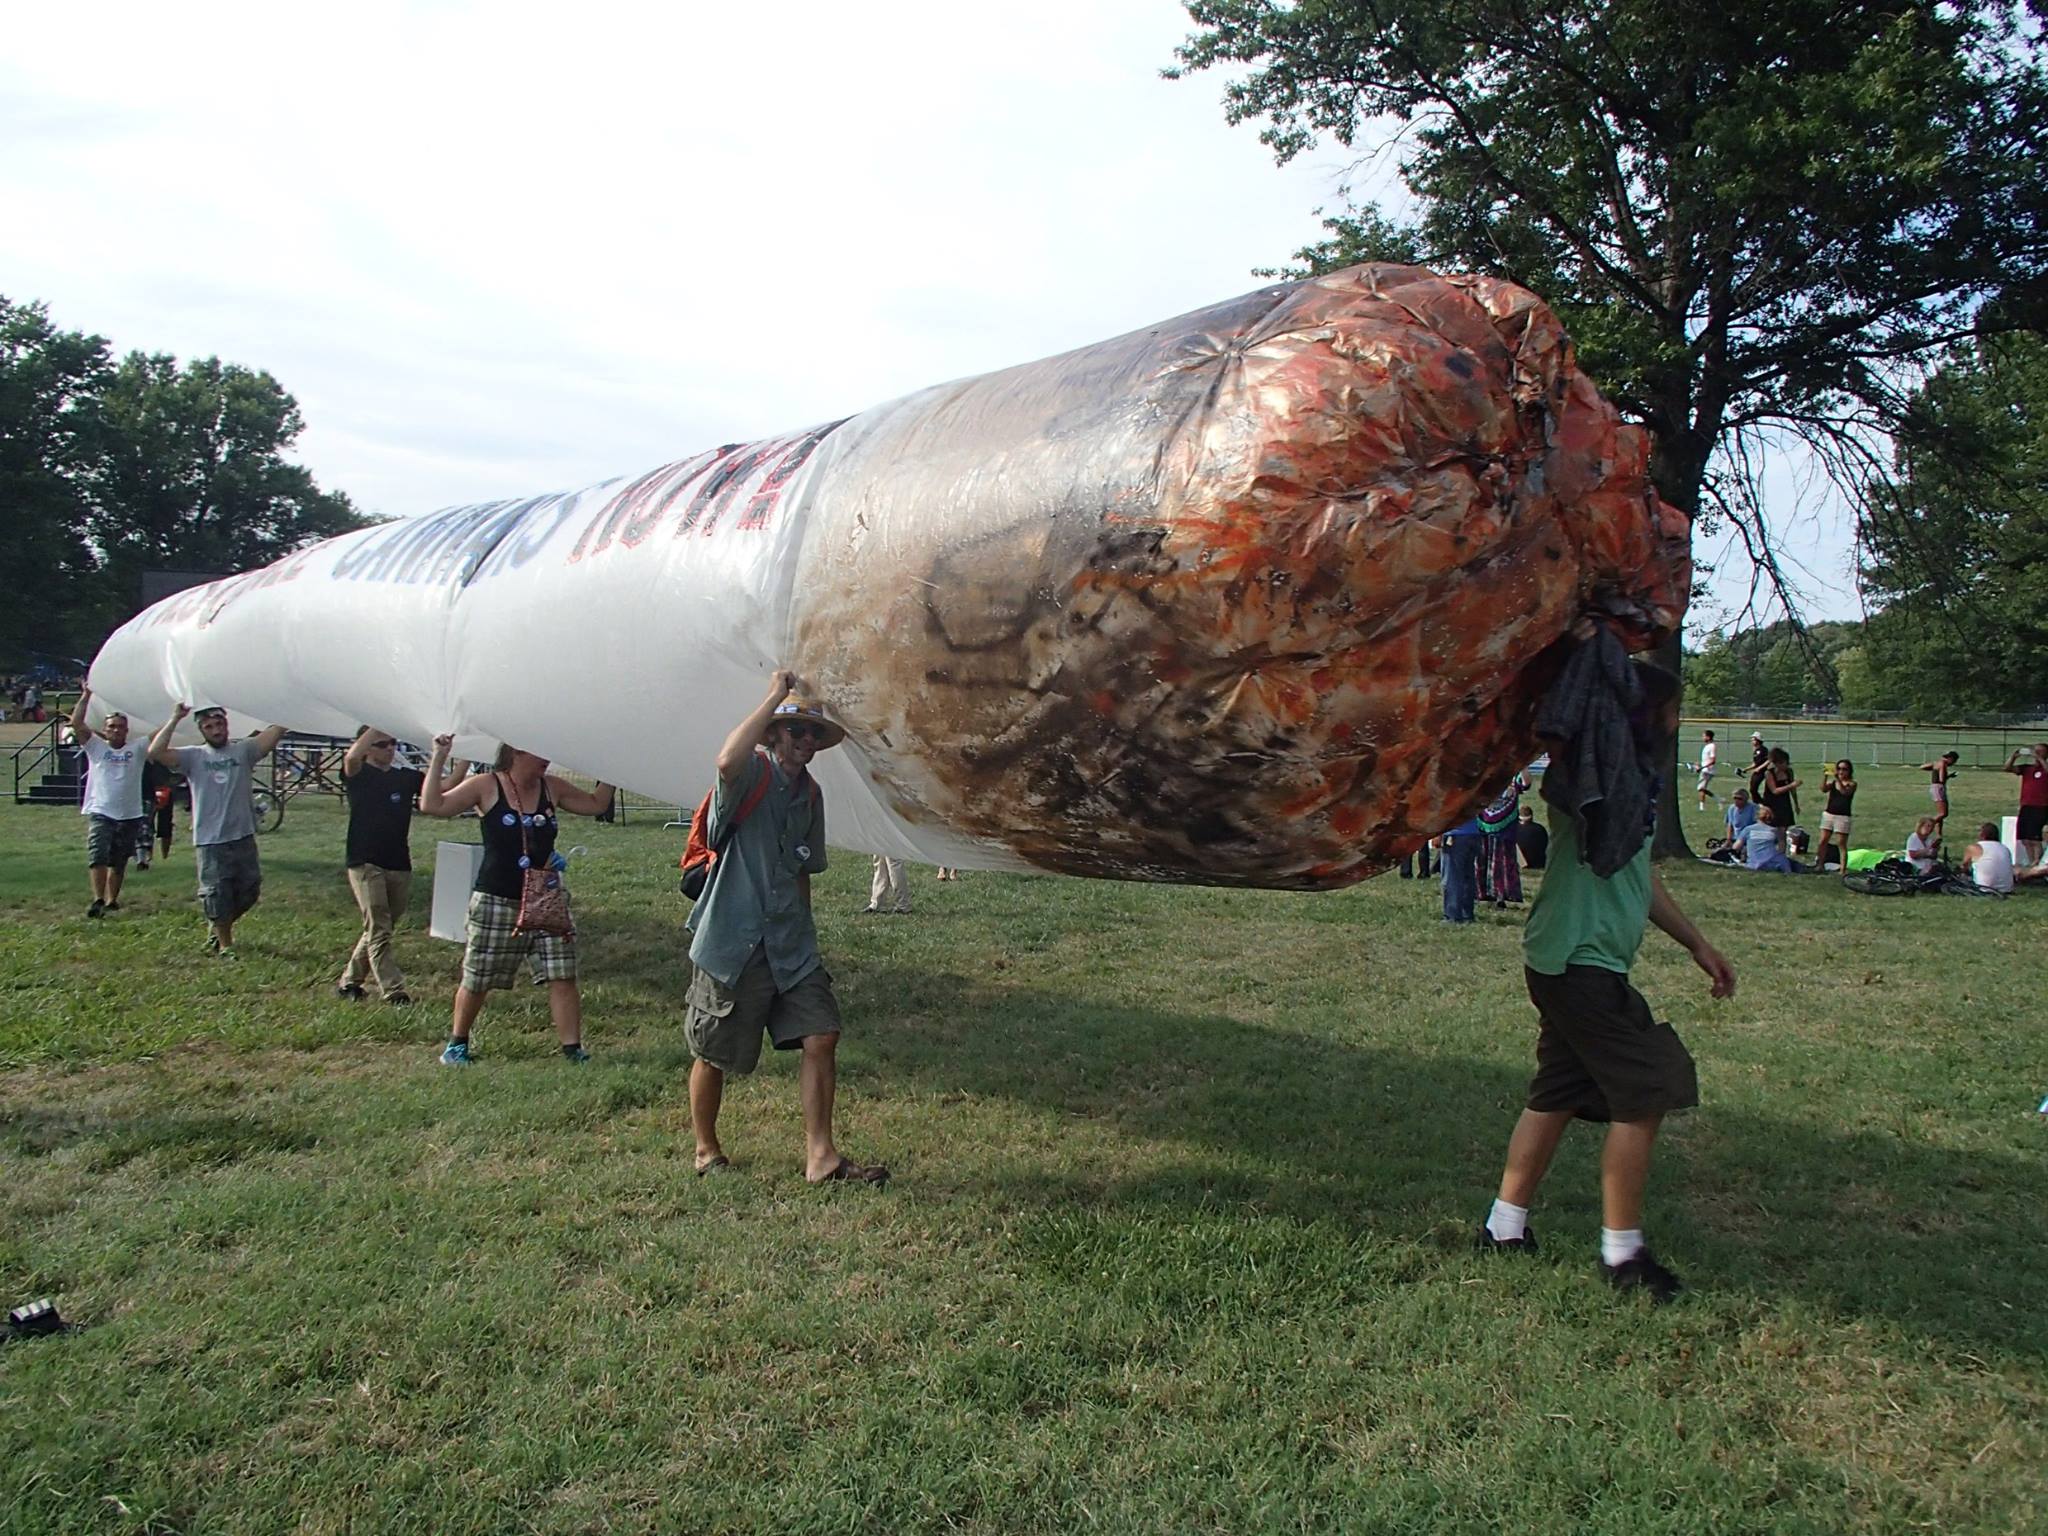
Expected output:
(380, 802)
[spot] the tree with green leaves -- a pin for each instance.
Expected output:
(1758, 220)
(1958, 549)
(190, 471)
(49, 381)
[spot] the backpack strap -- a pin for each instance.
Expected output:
(750, 803)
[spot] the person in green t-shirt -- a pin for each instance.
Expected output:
(1600, 1054)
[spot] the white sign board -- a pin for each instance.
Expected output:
(455, 867)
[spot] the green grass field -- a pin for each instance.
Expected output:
(1178, 1239)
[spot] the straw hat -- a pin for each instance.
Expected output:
(790, 710)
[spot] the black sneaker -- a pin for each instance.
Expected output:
(113, 906)
(97, 908)
(1643, 1273)
(400, 999)
(350, 990)
(1486, 1242)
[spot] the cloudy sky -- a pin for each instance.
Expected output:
(503, 249)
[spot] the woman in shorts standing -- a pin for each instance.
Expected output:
(1938, 773)
(1840, 785)
(518, 802)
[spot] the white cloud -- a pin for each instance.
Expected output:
(498, 249)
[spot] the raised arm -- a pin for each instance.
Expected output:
(358, 753)
(160, 748)
(267, 739)
(739, 746)
(1665, 913)
(82, 733)
(584, 802)
(463, 797)
(2012, 763)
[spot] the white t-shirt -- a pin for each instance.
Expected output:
(113, 779)
(1710, 754)
(1992, 868)
(1921, 852)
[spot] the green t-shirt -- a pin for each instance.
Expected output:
(1579, 918)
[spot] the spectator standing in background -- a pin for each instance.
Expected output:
(1503, 882)
(1835, 821)
(1774, 788)
(1710, 759)
(1533, 838)
(1463, 846)
(1938, 774)
(888, 889)
(2033, 777)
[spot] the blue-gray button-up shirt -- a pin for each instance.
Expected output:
(754, 897)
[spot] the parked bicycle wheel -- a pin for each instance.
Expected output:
(269, 809)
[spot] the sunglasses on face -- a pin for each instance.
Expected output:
(803, 731)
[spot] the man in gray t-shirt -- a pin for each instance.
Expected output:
(221, 776)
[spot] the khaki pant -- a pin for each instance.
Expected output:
(382, 894)
(889, 891)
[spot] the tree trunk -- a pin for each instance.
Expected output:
(1678, 468)
(1669, 841)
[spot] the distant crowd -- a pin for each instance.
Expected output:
(1762, 831)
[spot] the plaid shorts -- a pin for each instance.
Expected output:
(490, 959)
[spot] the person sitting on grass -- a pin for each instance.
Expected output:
(754, 946)
(1988, 862)
(518, 801)
(1740, 815)
(1923, 848)
(1763, 849)
(1600, 1053)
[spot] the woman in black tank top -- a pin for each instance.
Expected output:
(519, 802)
(1834, 826)
(521, 825)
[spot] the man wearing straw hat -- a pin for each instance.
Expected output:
(754, 947)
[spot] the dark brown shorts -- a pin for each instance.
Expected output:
(1600, 1054)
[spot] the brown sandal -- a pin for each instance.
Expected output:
(850, 1172)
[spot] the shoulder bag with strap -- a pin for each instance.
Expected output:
(543, 899)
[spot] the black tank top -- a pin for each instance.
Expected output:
(1838, 803)
(500, 872)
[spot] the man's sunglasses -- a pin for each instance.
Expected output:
(803, 730)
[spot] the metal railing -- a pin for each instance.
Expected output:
(40, 755)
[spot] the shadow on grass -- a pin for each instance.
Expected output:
(1406, 1148)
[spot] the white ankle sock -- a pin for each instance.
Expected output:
(1507, 1222)
(1619, 1247)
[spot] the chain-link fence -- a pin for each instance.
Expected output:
(1867, 743)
